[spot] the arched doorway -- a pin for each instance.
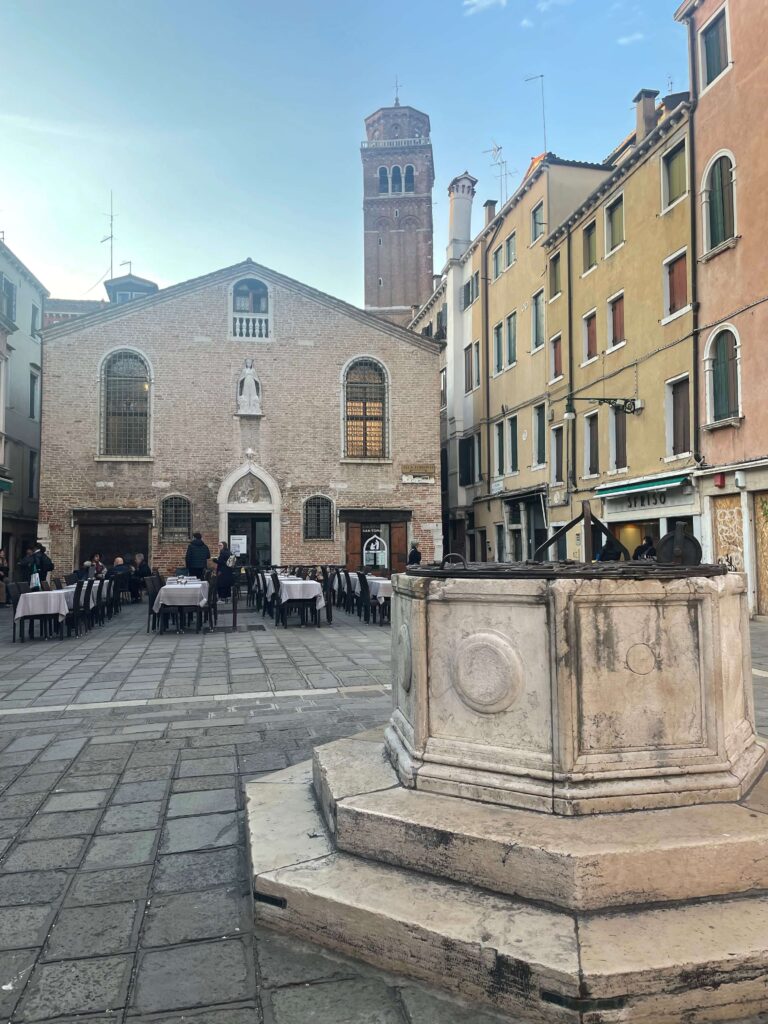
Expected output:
(249, 506)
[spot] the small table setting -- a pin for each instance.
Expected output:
(42, 602)
(181, 592)
(294, 588)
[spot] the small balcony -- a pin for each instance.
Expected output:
(250, 325)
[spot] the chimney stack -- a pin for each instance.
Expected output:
(461, 192)
(645, 107)
(490, 210)
(436, 281)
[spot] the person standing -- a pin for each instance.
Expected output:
(414, 555)
(45, 565)
(140, 572)
(224, 574)
(197, 556)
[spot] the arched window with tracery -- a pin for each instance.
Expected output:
(722, 369)
(125, 405)
(397, 179)
(365, 410)
(176, 517)
(318, 518)
(719, 205)
(383, 180)
(409, 178)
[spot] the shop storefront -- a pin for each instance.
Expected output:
(650, 506)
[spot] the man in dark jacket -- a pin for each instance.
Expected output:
(140, 572)
(197, 556)
(645, 550)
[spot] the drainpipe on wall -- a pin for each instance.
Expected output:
(572, 424)
(692, 177)
(488, 245)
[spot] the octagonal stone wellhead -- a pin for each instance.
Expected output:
(572, 688)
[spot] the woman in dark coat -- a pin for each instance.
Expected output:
(224, 574)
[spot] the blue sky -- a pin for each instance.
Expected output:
(232, 129)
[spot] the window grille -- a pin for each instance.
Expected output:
(318, 519)
(125, 405)
(366, 411)
(176, 518)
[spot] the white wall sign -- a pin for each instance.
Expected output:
(375, 551)
(238, 544)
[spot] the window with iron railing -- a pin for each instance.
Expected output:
(318, 518)
(176, 517)
(365, 411)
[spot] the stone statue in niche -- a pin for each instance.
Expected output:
(248, 391)
(248, 490)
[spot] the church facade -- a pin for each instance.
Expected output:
(246, 405)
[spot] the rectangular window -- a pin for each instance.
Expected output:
(614, 224)
(476, 348)
(33, 474)
(514, 465)
(554, 276)
(466, 295)
(466, 461)
(590, 246)
(556, 455)
(475, 285)
(500, 448)
(556, 357)
(616, 321)
(681, 417)
(590, 336)
(7, 298)
(34, 382)
(500, 542)
(539, 435)
(510, 249)
(674, 175)
(677, 284)
(498, 348)
(511, 339)
(443, 388)
(537, 320)
(35, 323)
(477, 457)
(497, 262)
(619, 439)
(592, 443)
(714, 49)
(537, 221)
(467, 369)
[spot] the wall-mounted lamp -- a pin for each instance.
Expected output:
(626, 405)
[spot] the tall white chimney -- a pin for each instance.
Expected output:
(461, 192)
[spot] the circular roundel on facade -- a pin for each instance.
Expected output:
(403, 658)
(641, 659)
(487, 672)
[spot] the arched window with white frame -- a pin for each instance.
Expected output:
(176, 517)
(383, 181)
(410, 178)
(719, 201)
(723, 378)
(318, 518)
(397, 179)
(365, 410)
(125, 405)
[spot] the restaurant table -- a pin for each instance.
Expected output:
(380, 588)
(42, 602)
(69, 594)
(193, 593)
(298, 590)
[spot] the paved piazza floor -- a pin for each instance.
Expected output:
(123, 882)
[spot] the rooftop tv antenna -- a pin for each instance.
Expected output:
(503, 174)
(111, 236)
(129, 264)
(540, 78)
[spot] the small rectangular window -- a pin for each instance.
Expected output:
(590, 336)
(497, 262)
(714, 46)
(537, 320)
(510, 249)
(681, 417)
(35, 322)
(592, 441)
(466, 458)
(556, 357)
(32, 482)
(511, 339)
(616, 321)
(677, 284)
(619, 439)
(476, 348)
(554, 276)
(466, 295)
(513, 459)
(498, 348)
(475, 285)
(537, 221)
(500, 448)
(590, 246)
(614, 224)
(34, 381)
(539, 435)
(468, 369)
(556, 455)
(674, 174)
(7, 298)
(443, 388)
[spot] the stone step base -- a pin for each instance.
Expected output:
(701, 961)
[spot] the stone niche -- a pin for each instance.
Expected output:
(572, 696)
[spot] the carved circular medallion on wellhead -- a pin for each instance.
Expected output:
(487, 672)
(641, 659)
(403, 658)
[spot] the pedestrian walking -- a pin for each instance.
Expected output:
(224, 574)
(197, 556)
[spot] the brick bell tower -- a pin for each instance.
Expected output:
(398, 175)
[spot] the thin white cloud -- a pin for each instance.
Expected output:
(81, 131)
(547, 5)
(526, 23)
(476, 6)
(635, 37)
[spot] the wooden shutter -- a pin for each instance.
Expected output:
(466, 445)
(557, 358)
(681, 417)
(557, 437)
(513, 444)
(354, 546)
(398, 540)
(617, 320)
(591, 336)
(594, 451)
(620, 438)
(678, 284)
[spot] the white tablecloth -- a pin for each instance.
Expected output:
(42, 602)
(69, 594)
(177, 595)
(283, 579)
(379, 588)
(299, 590)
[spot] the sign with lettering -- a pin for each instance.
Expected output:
(651, 502)
(418, 473)
(375, 551)
(238, 544)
